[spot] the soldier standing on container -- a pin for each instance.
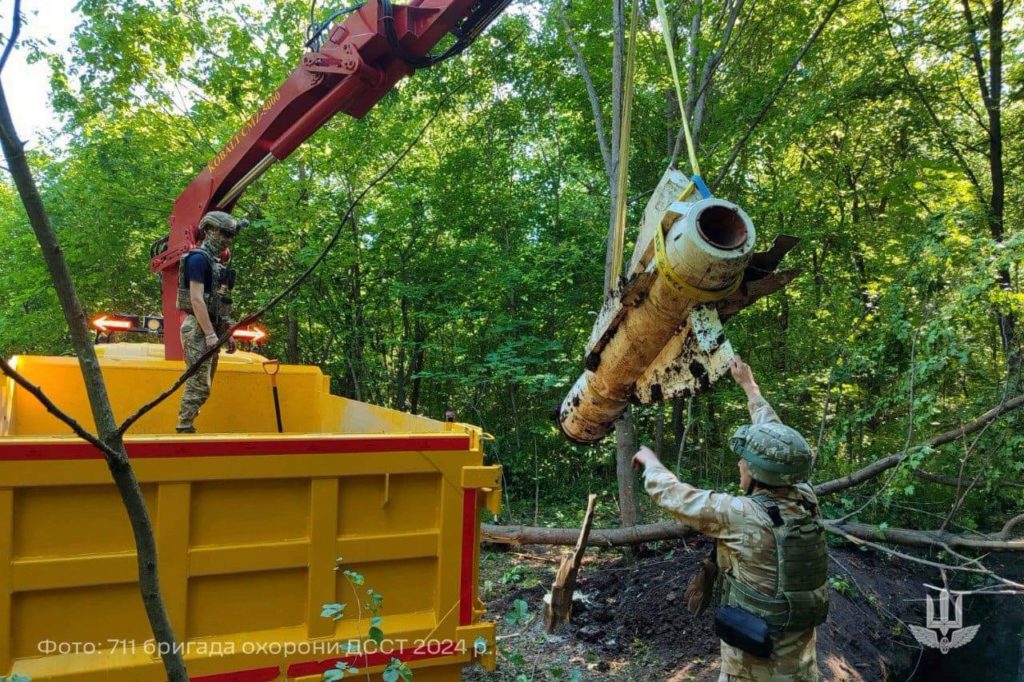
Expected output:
(204, 284)
(770, 547)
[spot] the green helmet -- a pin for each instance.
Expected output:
(775, 453)
(219, 220)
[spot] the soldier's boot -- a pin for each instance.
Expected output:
(182, 427)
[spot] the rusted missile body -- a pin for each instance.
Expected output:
(659, 336)
(708, 246)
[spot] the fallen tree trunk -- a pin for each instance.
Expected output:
(670, 530)
(878, 466)
(996, 542)
(607, 537)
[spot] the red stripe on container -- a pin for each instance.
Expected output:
(255, 675)
(425, 650)
(469, 520)
(14, 451)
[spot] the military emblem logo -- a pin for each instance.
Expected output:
(954, 634)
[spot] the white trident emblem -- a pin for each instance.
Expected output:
(958, 635)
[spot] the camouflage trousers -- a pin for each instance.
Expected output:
(197, 388)
(793, 660)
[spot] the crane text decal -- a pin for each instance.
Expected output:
(246, 129)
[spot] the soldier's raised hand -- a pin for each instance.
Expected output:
(644, 457)
(740, 371)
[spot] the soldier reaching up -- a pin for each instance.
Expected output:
(770, 546)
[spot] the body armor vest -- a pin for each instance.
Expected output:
(800, 601)
(214, 305)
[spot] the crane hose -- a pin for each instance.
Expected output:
(481, 17)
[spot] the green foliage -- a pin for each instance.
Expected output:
(340, 670)
(470, 279)
(513, 575)
(840, 584)
(333, 611)
(397, 670)
(372, 604)
(519, 614)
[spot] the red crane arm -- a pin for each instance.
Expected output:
(358, 63)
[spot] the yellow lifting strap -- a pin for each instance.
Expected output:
(622, 175)
(666, 33)
(680, 285)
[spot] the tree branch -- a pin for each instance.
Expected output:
(775, 94)
(15, 30)
(939, 126)
(595, 102)
(60, 414)
(972, 40)
(908, 537)
(607, 537)
(878, 466)
(119, 465)
(1010, 525)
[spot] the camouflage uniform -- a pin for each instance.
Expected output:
(219, 307)
(746, 550)
(197, 387)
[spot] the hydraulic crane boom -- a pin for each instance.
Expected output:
(359, 61)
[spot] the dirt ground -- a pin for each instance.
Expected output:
(630, 621)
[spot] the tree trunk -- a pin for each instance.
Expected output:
(120, 467)
(1007, 320)
(418, 359)
(990, 85)
(291, 350)
(625, 448)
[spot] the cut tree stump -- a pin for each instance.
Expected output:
(559, 607)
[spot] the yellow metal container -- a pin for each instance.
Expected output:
(249, 525)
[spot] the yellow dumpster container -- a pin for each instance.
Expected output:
(255, 530)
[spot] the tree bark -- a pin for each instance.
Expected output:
(117, 459)
(669, 530)
(599, 537)
(291, 350)
(625, 441)
(907, 537)
(625, 448)
(559, 609)
(990, 85)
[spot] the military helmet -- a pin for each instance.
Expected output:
(225, 222)
(775, 453)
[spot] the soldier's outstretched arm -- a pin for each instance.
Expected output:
(761, 412)
(709, 512)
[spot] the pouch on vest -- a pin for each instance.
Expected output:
(212, 298)
(743, 630)
(800, 601)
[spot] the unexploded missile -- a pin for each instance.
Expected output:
(659, 335)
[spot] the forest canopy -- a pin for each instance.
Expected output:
(469, 279)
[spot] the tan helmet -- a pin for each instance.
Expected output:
(219, 220)
(775, 453)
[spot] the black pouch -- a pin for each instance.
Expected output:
(743, 630)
